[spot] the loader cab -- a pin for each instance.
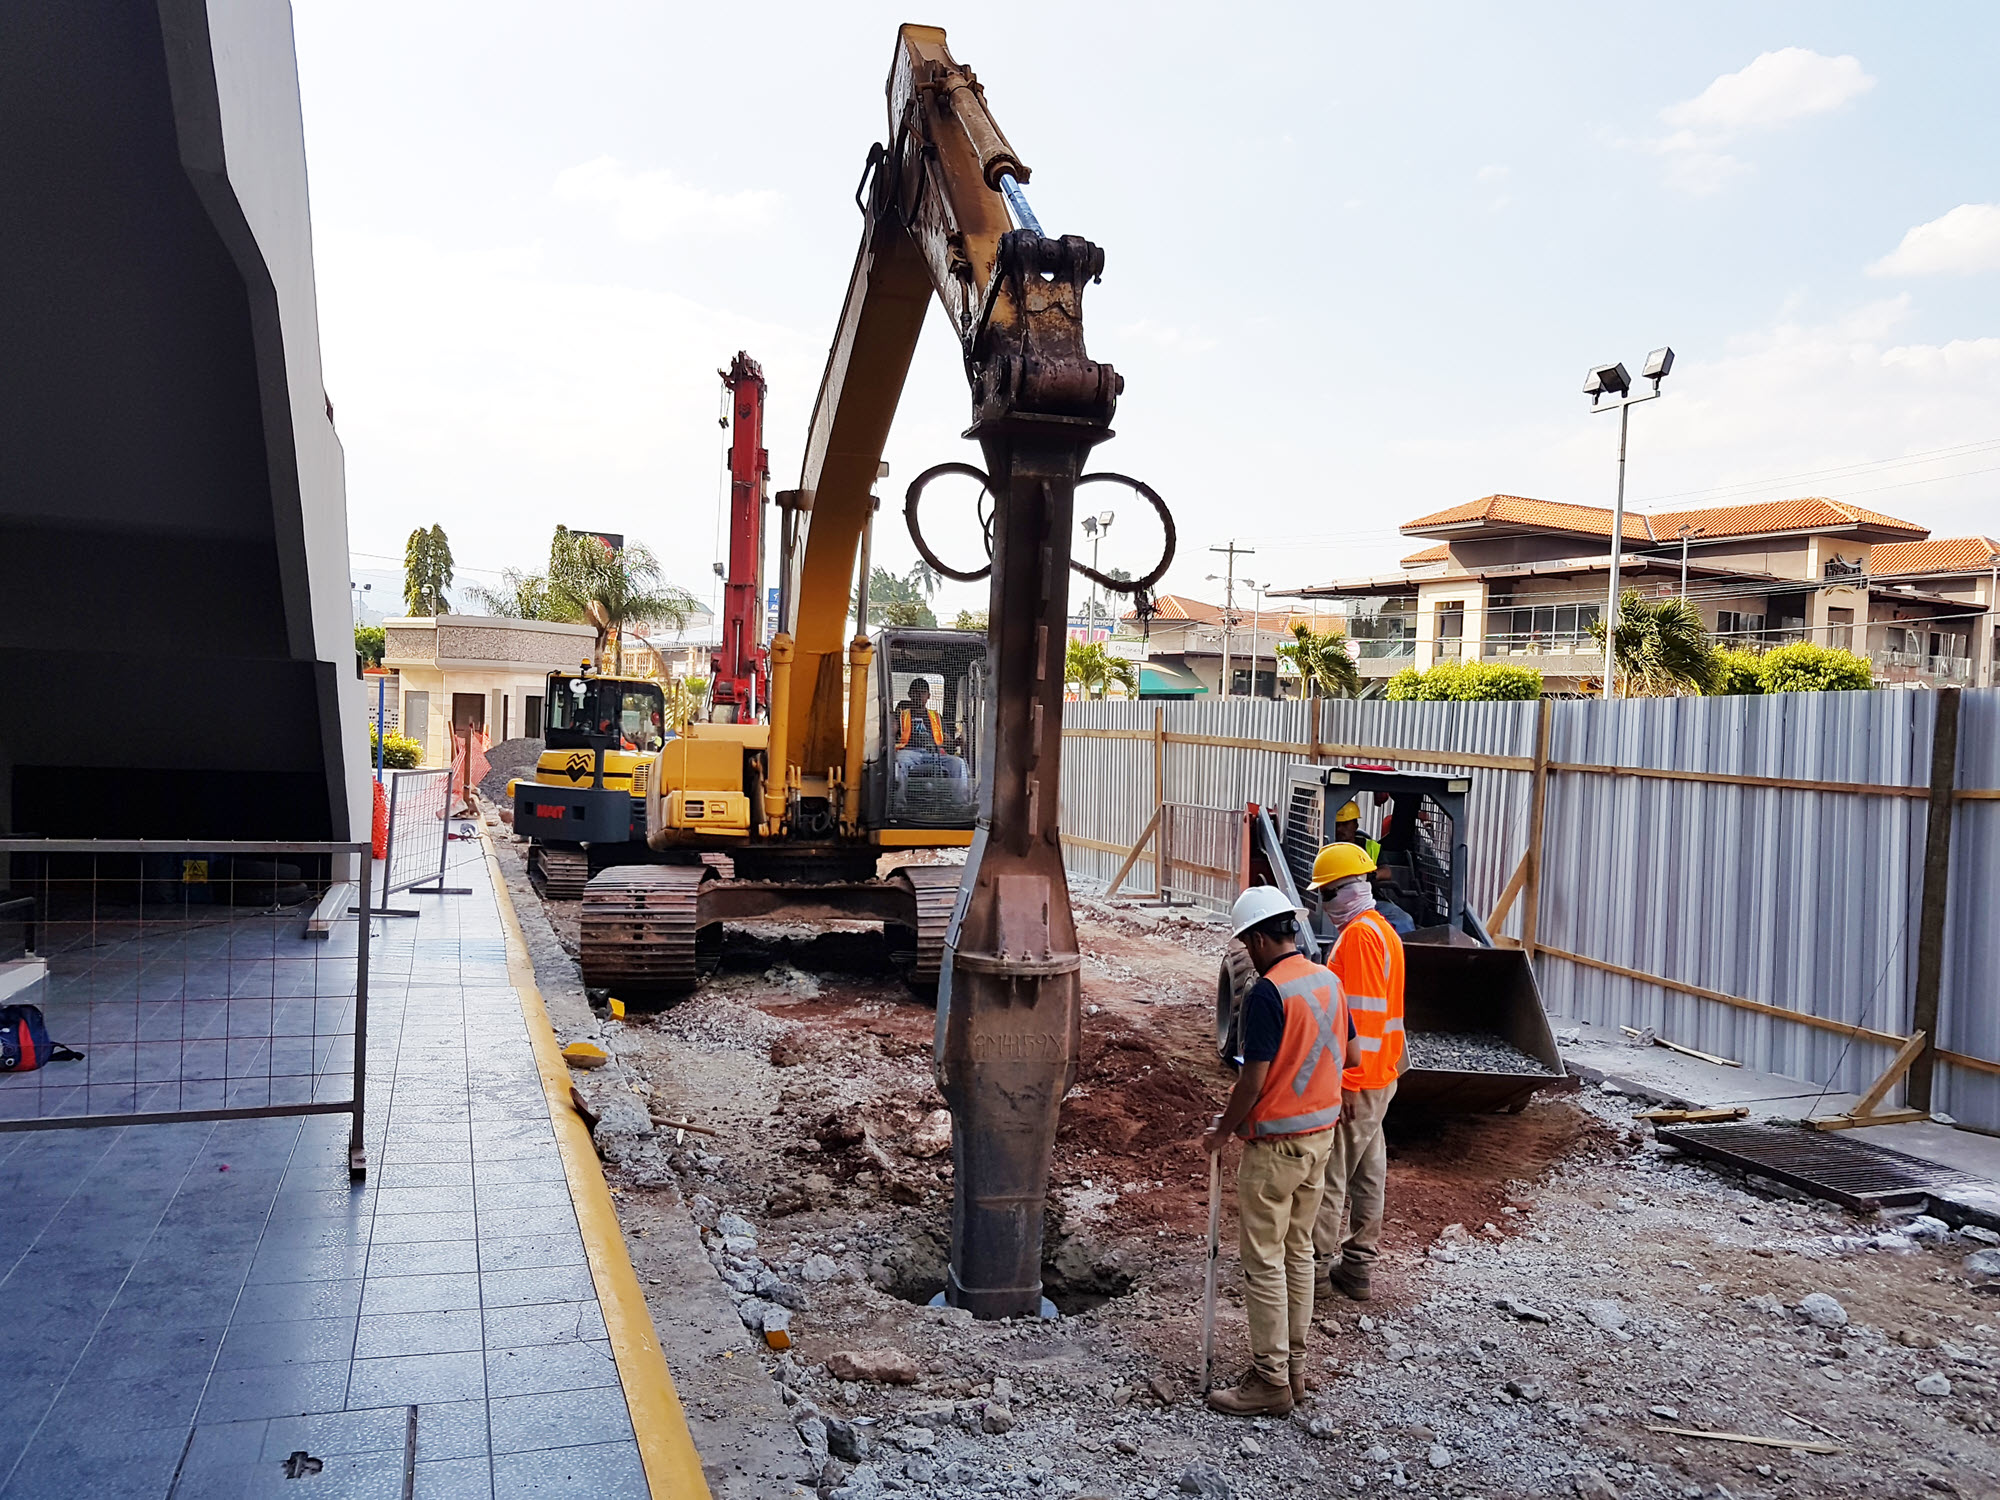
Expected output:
(588, 712)
(926, 723)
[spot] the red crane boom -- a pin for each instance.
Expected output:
(741, 691)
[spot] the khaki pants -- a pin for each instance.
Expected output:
(1278, 1188)
(1349, 1226)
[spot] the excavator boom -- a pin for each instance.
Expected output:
(937, 225)
(740, 690)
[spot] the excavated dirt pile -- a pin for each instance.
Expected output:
(1561, 1299)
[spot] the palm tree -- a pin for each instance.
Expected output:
(1323, 662)
(610, 590)
(427, 572)
(1091, 666)
(520, 596)
(1659, 647)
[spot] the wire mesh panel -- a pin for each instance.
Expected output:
(1204, 854)
(197, 982)
(419, 825)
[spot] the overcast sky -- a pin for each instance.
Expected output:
(1358, 257)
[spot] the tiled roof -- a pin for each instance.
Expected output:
(1808, 514)
(1811, 514)
(1548, 515)
(1941, 554)
(1180, 607)
(1429, 555)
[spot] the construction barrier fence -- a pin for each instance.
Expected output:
(211, 981)
(1781, 880)
(419, 831)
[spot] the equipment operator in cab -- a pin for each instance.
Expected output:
(1285, 1106)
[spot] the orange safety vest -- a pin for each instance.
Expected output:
(937, 729)
(1368, 958)
(1302, 1091)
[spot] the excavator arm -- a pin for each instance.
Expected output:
(937, 225)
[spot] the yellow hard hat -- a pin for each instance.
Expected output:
(1340, 862)
(1348, 814)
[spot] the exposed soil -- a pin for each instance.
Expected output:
(1671, 1291)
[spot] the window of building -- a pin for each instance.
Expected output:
(1387, 628)
(531, 716)
(1540, 629)
(1451, 628)
(1739, 629)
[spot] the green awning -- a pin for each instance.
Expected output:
(1158, 679)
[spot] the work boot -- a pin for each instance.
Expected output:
(1253, 1396)
(1300, 1390)
(1350, 1279)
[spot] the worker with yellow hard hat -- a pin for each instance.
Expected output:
(1368, 960)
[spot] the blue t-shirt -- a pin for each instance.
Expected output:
(1264, 1022)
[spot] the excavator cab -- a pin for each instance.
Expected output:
(925, 720)
(605, 713)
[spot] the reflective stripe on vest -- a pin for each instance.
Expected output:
(1299, 1094)
(1368, 958)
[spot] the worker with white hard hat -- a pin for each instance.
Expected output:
(1368, 960)
(1286, 1103)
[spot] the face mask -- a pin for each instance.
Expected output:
(1349, 900)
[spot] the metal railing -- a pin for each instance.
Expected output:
(1538, 643)
(198, 981)
(1203, 855)
(1907, 666)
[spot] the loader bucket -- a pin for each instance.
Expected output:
(1491, 991)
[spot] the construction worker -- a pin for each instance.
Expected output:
(1368, 961)
(1347, 830)
(1285, 1105)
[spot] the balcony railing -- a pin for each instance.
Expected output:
(1538, 643)
(1916, 666)
(1393, 647)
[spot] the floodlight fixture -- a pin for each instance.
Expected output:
(1606, 380)
(1659, 365)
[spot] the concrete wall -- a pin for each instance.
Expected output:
(505, 661)
(173, 481)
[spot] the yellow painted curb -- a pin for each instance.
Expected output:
(666, 1447)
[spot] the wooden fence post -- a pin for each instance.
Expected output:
(1937, 883)
(1538, 784)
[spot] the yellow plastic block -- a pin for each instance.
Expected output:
(585, 1055)
(617, 1008)
(777, 1338)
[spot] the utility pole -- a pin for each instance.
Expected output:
(1229, 605)
(1686, 531)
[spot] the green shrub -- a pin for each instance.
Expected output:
(1806, 668)
(1737, 673)
(399, 752)
(1466, 682)
(369, 643)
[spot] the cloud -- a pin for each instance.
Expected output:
(1963, 242)
(651, 206)
(1166, 337)
(1777, 89)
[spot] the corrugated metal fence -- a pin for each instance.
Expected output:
(1797, 907)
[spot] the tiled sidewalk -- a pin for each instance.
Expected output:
(192, 1304)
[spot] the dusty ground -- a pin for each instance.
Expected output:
(1670, 1290)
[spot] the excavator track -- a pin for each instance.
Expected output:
(640, 931)
(559, 874)
(936, 889)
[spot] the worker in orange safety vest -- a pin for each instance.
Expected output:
(1285, 1106)
(1368, 959)
(918, 716)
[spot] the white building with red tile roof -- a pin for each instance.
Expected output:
(1512, 578)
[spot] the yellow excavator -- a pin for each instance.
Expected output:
(585, 804)
(915, 739)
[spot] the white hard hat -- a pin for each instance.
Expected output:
(1258, 904)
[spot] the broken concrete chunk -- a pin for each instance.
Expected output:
(878, 1366)
(996, 1417)
(1604, 1313)
(1823, 1310)
(819, 1268)
(1983, 1263)
(1517, 1308)
(1933, 1384)
(1206, 1483)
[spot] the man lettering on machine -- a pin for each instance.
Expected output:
(1285, 1106)
(1368, 961)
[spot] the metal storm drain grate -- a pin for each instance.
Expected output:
(1861, 1176)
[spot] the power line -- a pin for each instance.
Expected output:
(1933, 455)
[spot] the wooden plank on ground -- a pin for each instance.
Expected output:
(1714, 1116)
(1799, 1445)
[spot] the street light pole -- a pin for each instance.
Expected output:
(1612, 380)
(1685, 532)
